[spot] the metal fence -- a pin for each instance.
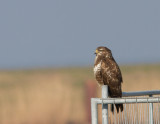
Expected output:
(137, 110)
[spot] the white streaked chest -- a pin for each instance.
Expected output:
(97, 68)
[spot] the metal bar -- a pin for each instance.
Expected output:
(126, 100)
(150, 112)
(94, 111)
(141, 93)
(136, 113)
(105, 101)
(104, 106)
(115, 117)
(158, 113)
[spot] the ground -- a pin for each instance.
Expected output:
(57, 95)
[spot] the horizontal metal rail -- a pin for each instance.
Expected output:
(141, 93)
(126, 100)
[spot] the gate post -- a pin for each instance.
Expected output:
(104, 106)
(150, 112)
(94, 111)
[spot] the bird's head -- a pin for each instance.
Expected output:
(103, 52)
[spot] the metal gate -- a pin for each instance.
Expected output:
(137, 110)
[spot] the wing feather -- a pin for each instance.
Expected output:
(112, 77)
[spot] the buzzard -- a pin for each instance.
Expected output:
(107, 72)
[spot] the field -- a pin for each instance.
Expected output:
(57, 95)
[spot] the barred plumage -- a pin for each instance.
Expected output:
(107, 72)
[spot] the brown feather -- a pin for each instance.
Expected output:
(108, 73)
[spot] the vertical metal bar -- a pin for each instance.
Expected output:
(125, 113)
(144, 114)
(150, 112)
(94, 111)
(122, 120)
(104, 106)
(133, 114)
(115, 114)
(158, 111)
(147, 112)
(140, 114)
(136, 112)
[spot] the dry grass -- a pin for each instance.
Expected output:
(137, 78)
(56, 96)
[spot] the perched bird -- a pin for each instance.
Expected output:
(107, 72)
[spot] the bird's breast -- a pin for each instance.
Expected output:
(97, 68)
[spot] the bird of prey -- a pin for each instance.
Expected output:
(107, 72)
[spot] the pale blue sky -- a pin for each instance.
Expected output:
(41, 33)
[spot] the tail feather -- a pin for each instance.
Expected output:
(118, 106)
(112, 108)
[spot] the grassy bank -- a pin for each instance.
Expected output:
(56, 96)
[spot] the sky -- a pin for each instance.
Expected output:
(55, 33)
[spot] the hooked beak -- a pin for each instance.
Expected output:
(96, 52)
